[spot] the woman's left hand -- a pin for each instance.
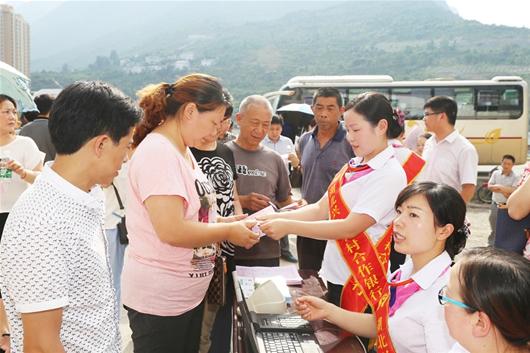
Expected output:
(16, 168)
(275, 228)
(231, 219)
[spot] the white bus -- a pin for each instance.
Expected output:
(492, 114)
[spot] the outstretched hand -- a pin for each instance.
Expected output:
(275, 228)
(312, 308)
(242, 235)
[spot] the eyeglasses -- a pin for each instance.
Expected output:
(429, 114)
(443, 299)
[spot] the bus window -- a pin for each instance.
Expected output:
(498, 103)
(464, 97)
(410, 101)
(305, 95)
(352, 93)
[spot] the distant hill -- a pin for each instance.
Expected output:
(75, 32)
(405, 39)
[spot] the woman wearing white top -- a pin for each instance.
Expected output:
(20, 163)
(487, 301)
(370, 122)
(430, 229)
(20, 159)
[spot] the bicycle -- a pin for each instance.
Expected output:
(483, 193)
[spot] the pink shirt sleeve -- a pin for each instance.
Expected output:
(157, 170)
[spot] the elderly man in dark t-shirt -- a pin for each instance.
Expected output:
(262, 176)
(322, 154)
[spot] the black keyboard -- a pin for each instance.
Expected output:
(281, 342)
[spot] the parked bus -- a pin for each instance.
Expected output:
(492, 114)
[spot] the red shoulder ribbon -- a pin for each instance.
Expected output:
(368, 262)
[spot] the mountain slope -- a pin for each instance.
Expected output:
(406, 39)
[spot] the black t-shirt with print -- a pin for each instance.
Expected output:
(219, 167)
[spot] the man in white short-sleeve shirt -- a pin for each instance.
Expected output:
(450, 158)
(281, 144)
(54, 268)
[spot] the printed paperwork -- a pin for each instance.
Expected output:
(250, 278)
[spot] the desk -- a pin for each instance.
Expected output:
(327, 334)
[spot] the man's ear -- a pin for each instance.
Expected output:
(481, 325)
(99, 144)
(342, 110)
(238, 118)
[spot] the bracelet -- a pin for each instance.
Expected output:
(7, 334)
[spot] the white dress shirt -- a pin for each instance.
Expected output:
(452, 161)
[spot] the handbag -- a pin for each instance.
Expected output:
(122, 228)
(509, 233)
(216, 293)
(296, 177)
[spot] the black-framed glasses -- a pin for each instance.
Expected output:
(444, 299)
(429, 114)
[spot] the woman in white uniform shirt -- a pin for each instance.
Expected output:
(370, 122)
(430, 229)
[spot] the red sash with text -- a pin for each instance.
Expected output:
(368, 262)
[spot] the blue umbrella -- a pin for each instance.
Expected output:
(16, 85)
(295, 117)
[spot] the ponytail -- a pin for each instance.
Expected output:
(162, 101)
(153, 103)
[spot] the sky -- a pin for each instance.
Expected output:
(514, 13)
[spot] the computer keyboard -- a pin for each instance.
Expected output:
(281, 342)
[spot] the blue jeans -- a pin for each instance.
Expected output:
(116, 255)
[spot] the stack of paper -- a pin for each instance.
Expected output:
(250, 278)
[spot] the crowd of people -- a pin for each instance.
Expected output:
(382, 216)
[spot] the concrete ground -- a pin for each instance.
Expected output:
(477, 215)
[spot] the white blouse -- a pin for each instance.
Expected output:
(418, 326)
(25, 151)
(374, 195)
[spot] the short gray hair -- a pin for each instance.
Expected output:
(255, 99)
